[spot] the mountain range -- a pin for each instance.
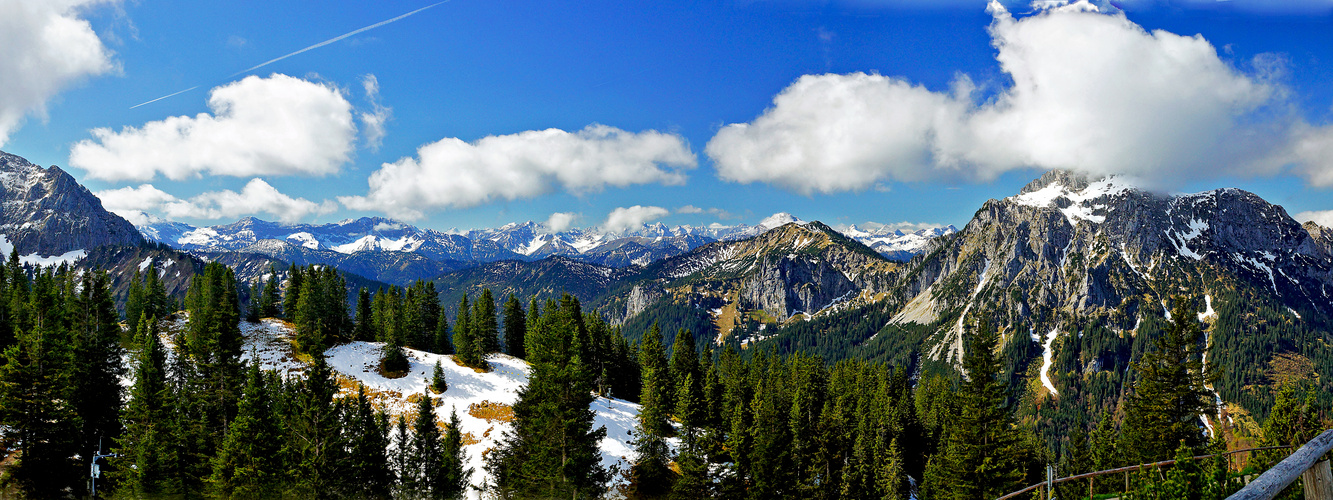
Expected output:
(1078, 274)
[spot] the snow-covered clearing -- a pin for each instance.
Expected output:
(470, 393)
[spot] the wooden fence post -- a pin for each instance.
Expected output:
(1318, 481)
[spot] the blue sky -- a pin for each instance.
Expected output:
(877, 130)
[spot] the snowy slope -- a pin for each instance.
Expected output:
(354, 364)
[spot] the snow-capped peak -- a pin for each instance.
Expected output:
(778, 220)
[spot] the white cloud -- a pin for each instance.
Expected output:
(48, 47)
(373, 121)
(387, 226)
(719, 213)
(561, 221)
(1091, 92)
(458, 174)
(1322, 217)
(257, 197)
(1311, 151)
(272, 126)
(624, 218)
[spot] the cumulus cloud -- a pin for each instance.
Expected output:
(257, 197)
(625, 218)
(373, 121)
(452, 173)
(48, 47)
(1090, 92)
(561, 221)
(272, 126)
(1321, 217)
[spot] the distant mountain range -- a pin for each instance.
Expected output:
(407, 252)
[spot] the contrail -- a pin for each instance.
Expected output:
(334, 39)
(315, 46)
(164, 97)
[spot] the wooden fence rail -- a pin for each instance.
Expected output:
(1126, 470)
(1302, 462)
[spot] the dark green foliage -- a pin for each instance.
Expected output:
(134, 300)
(143, 446)
(455, 474)
(318, 443)
(552, 449)
(485, 325)
(269, 298)
(649, 475)
(368, 472)
(250, 463)
(428, 473)
(465, 344)
(393, 360)
(321, 309)
(97, 363)
(34, 403)
(1170, 396)
(292, 293)
(515, 327)
(443, 338)
(982, 444)
(437, 382)
(364, 328)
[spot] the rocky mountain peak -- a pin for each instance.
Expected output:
(47, 213)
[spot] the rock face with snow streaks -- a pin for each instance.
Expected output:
(1067, 246)
(46, 212)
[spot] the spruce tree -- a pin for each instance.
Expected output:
(465, 345)
(402, 462)
(98, 363)
(134, 300)
(685, 365)
(155, 300)
(369, 474)
(316, 431)
(985, 453)
(443, 344)
(35, 405)
(293, 293)
(650, 476)
(456, 473)
(269, 298)
(365, 327)
(249, 463)
(437, 382)
(1170, 396)
(485, 325)
(143, 447)
(552, 449)
(393, 360)
(515, 327)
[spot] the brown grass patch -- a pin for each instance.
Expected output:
(379, 368)
(491, 412)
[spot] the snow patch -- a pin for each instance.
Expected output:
(1046, 362)
(1208, 311)
(147, 261)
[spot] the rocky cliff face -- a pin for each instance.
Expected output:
(47, 213)
(1069, 247)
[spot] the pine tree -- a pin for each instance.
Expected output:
(465, 345)
(98, 363)
(1293, 420)
(369, 474)
(155, 300)
(34, 404)
(553, 448)
(316, 431)
(686, 378)
(443, 344)
(143, 446)
(485, 325)
(984, 447)
(393, 361)
(456, 473)
(649, 475)
(437, 382)
(428, 450)
(134, 300)
(515, 327)
(403, 462)
(1170, 396)
(249, 463)
(269, 298)
(365, 328)
(293, 292)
